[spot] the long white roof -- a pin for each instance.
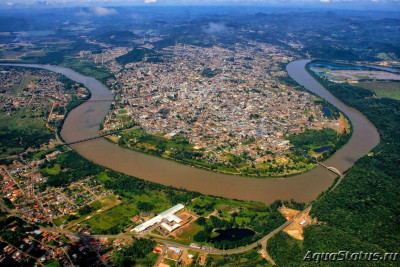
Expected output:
(159, 218)
(172, 210)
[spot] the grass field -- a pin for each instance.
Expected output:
(103, 177)
(188, 232)
(23, 129)
(389, 89)
(122, 111)
(114, 220)
(98, 206)
(53, 171)
(88, 68)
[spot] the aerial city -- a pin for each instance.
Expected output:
(200, 133)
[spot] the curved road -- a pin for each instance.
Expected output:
(364, 138)
(174, 244)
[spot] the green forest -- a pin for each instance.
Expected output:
(362, 213)
(311, 140)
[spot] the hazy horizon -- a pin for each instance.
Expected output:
(370, 5)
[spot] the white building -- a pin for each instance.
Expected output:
(168, 215)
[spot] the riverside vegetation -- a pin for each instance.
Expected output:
(362, 212)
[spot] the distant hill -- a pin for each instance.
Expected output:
(122, 38)
(137, 55)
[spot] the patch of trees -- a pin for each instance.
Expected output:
(201, 221)
(136, 254)
(127, 186)
(310, 139)
(57, 57)
(22, 139)
(85, 210)
(74, 167)
(201, 236)
(209, 73)
(260, 222)
(144, 206)
(283, 244)
(120, 38)
(137, 55)
(362, 212)
(250, 258)
(183, 154)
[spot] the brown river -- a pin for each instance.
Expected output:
(84, 122)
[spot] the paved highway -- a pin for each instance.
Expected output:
(178, 245)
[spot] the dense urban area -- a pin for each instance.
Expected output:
(209, 91)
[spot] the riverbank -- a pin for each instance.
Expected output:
(84, 122)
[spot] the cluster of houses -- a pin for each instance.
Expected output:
(242, 109)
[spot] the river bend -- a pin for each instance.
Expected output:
(84, 122)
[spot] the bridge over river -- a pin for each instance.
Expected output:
(84, 121)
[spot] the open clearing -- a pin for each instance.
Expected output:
(389, 89)
(364, 74)
(296, 228)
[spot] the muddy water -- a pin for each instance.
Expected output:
(84, 122)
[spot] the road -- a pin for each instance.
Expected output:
(182, 246)
(262, 241)
(159, 259)
(265, 254)
(12, 178)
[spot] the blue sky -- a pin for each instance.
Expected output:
(346, 4)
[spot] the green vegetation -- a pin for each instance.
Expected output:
(305, 143)
(361, 213)
(73, 167)
(89, 68)
(112, 216)
(112, 221)
(139, 253)
(13, 230)
(91, 210)
(65, 54)
(283, 244)
(25, 128)
(209, 73)
(43, 153)
(22, 130)
(53, 170)
(85, 210)
(250, 258)
(144, 206)
(179, 149)
(228, 214)
(389, 89)
(187, 236)
(119, 38)
(329, 110)
(51, 263)
(137, 55)
(366, 199)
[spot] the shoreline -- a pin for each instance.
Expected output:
(84, 121)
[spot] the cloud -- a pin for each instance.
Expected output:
(102, 11)
(150, 1)
(214, 28)
(9, 4)
(97, 11)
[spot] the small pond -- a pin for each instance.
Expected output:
(327, 112)
(234, 234)
(322, 149)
